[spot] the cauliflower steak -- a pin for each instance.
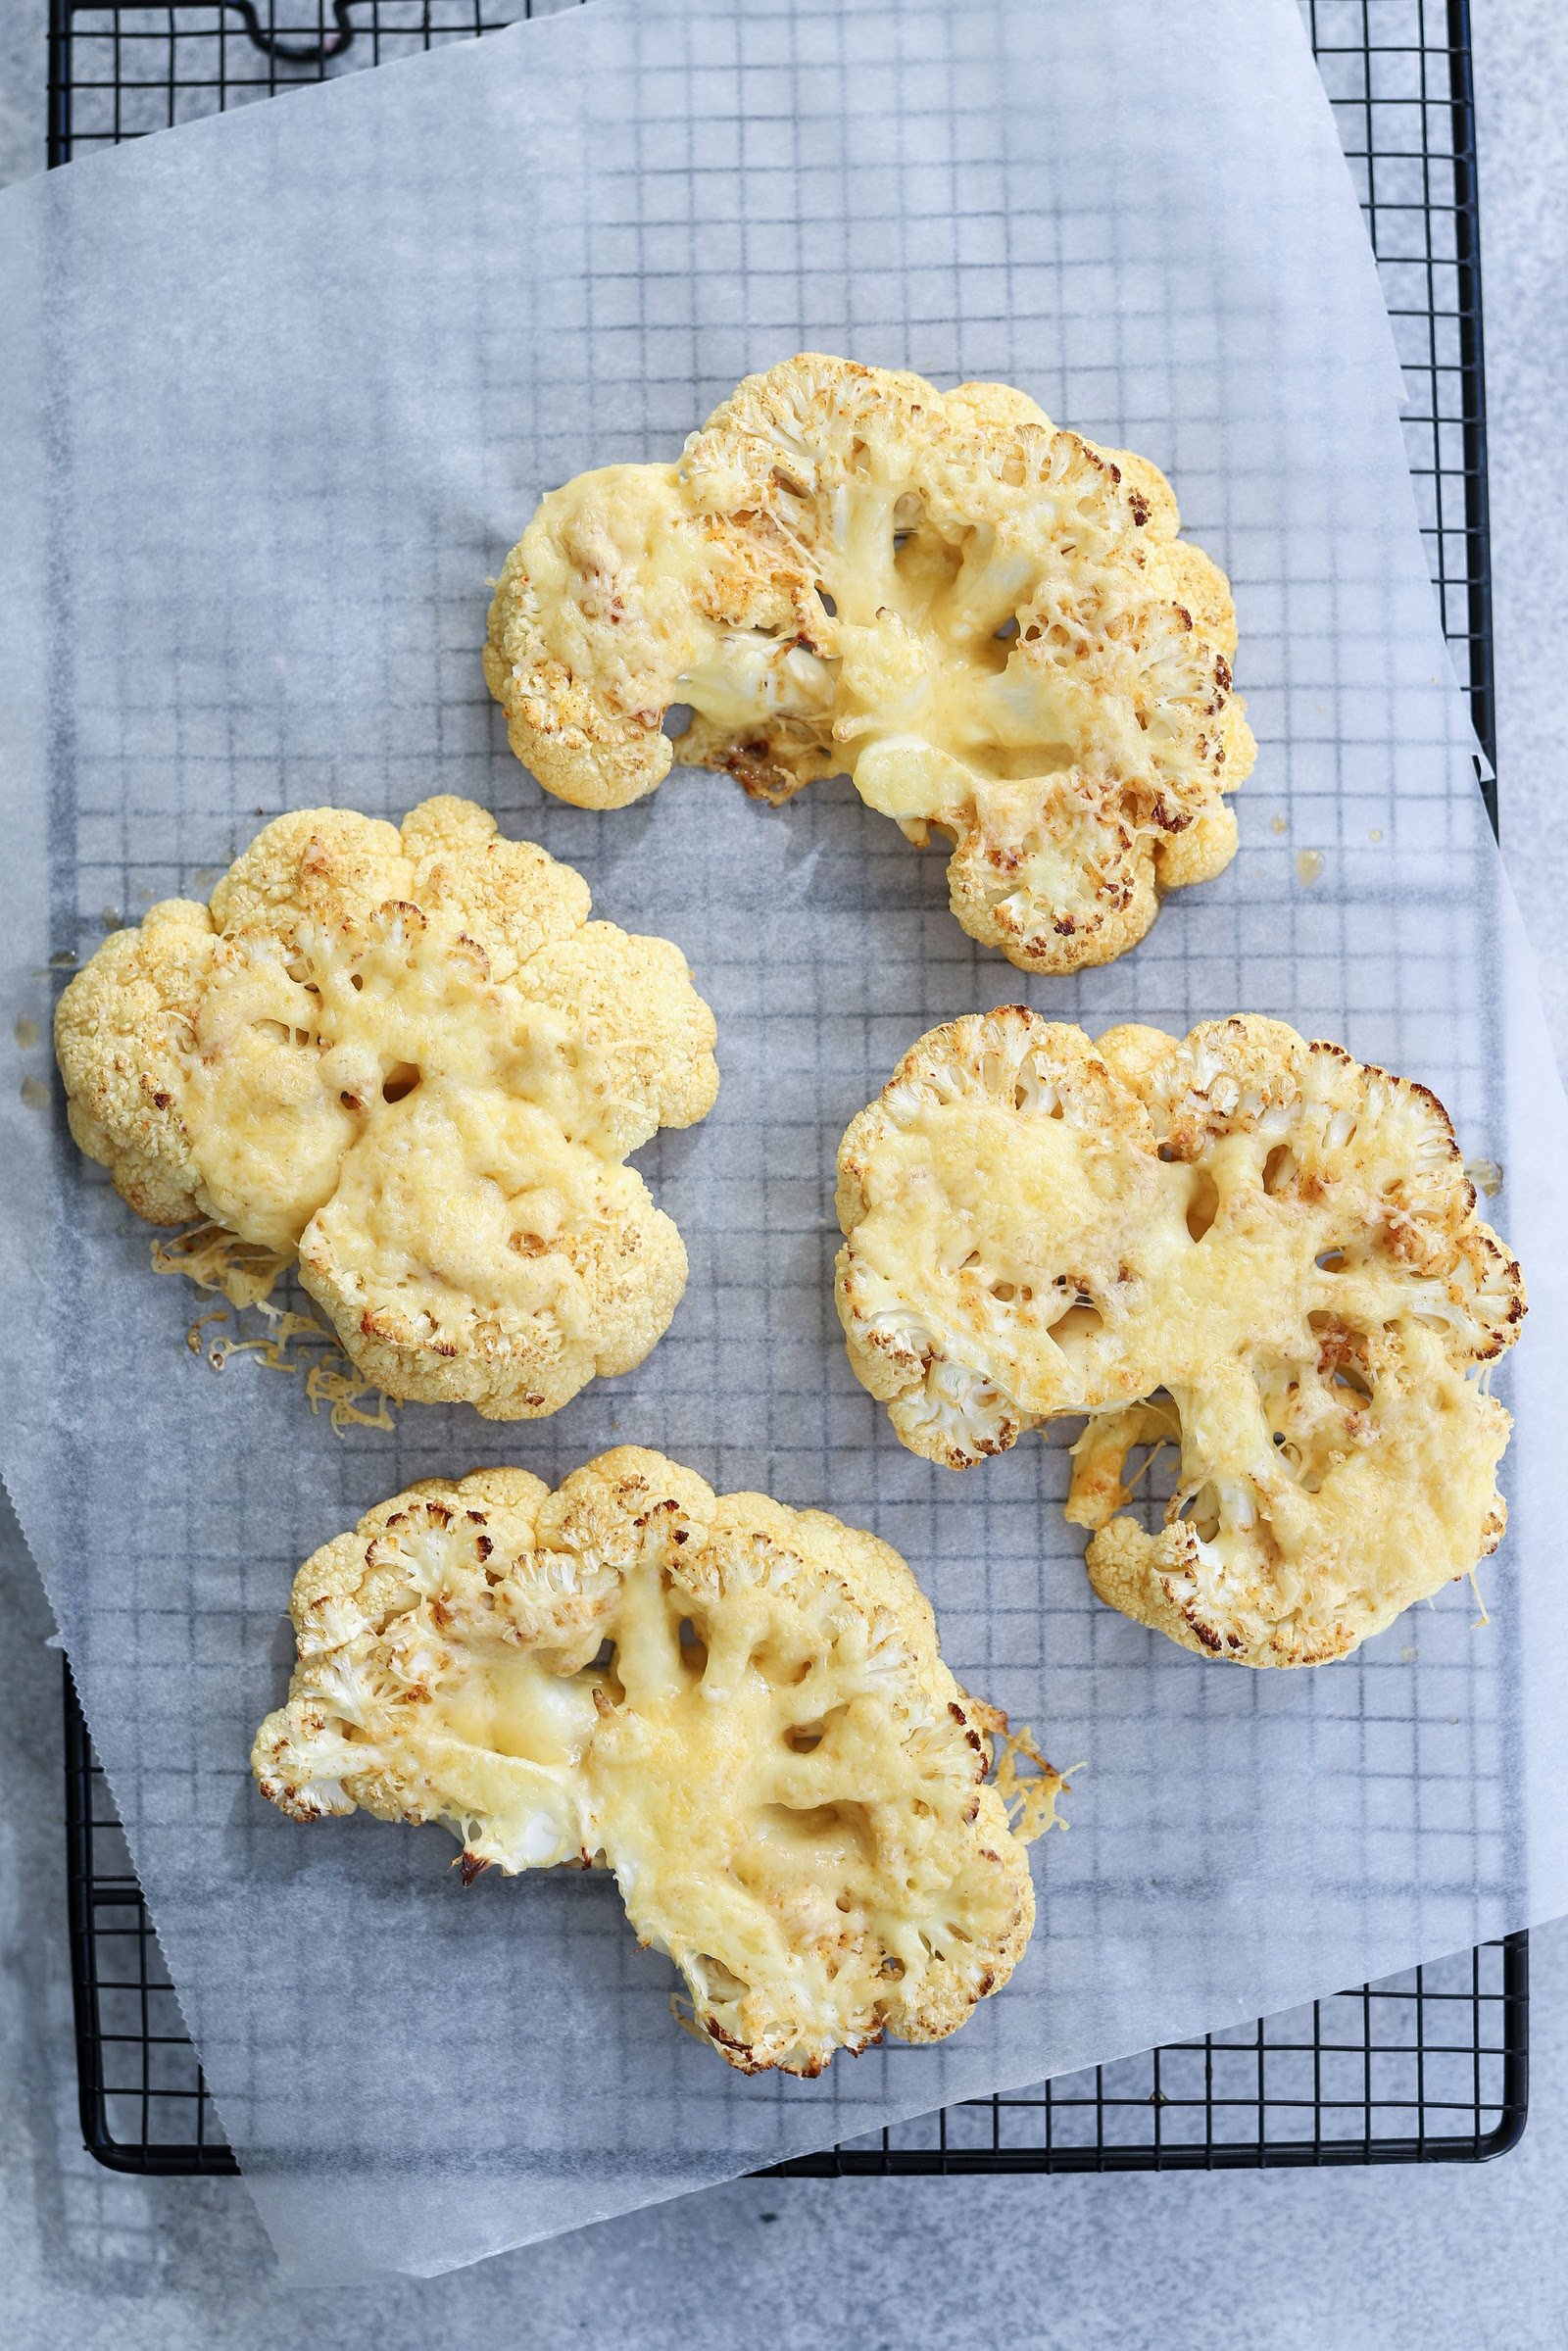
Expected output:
(987, 621)
(738, 1707)
(410, 1058)
(1238, 1243)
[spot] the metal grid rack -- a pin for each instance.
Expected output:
(1430, 2067)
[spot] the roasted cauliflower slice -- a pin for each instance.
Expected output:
(1237, 1243)
(408, 1057)
(987, 621)
(740, 1708)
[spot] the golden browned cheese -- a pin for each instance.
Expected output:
(740, 1708)
(407, 1055)
(1237, 1244)
(985, 620)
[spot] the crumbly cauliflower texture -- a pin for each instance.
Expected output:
(986, 621)
(740, 1708)
(1238, 1243)
(408, 1057)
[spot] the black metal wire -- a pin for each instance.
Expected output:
(144, 2104)
(1472, 364)
(299, 53)
(117, 1981)
(120, 68)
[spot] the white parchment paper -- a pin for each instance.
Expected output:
(279, 393)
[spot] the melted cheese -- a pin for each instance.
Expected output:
(996, 1226)
(772, 1760)
(506, 1749)
(1338, 1459)
(909, 678)
(509, 1703)
(988, 623)
(913, 680)
(728, 1840)
(287, 1075)
(476, 1200)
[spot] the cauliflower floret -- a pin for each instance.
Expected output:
(740, 1708)
(1238, 1243)
(409, 1059)
(987, 621)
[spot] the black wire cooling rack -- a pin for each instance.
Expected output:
(1431, 2066)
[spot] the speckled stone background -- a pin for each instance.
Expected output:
(1348, 2261)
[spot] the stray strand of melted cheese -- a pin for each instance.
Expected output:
(246, 1275)
(1029, 1796)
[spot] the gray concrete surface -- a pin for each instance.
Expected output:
(1522, 117)
(1351, 2261)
